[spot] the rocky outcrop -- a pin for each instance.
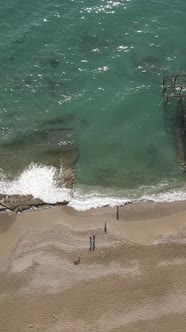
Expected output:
(56, 146)
(18, 203)
(2, 208)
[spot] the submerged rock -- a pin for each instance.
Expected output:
(54, 62)
(48, 60)
(148, 63)
(28, 80)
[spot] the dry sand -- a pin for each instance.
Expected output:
(135, 280)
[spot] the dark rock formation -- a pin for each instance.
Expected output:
(56, 147)
(19, 202)
(2, 208)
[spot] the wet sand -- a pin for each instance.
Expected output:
(135, 280)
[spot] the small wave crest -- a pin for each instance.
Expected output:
(85, 203)
(166, 197)
(94, 201)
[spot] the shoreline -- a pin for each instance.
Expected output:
(82, 199)
(135, 278)
(139, 222)
(143, 209)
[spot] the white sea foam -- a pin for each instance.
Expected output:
(84, 203)
(165, 197)
(41, 182)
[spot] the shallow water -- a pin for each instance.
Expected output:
(95, 69)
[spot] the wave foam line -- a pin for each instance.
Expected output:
(96, 201)
(86, 203)
(165, 197)
(41, 182)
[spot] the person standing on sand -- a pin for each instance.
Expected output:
(90, 248)
(105, 227)
(94, 243)
(117, 213)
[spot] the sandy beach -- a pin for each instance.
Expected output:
(133, 281)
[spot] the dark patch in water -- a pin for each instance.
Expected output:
(148, 63)
(84, 122)
(22, 39)
(90, 42)
(53, 122)
(152, 155)
(105, 171)
(153, 60)
(28, 80)
(49, 138)
(87, 42)
(10, 114)
(52, 82)
(18, 85)
(63, 122)
(54, 62)
(52, 85)
(12, 57)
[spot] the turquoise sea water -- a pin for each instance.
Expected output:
(94, 68)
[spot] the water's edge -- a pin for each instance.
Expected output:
(22, 203)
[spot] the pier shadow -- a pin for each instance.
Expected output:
(174, 86)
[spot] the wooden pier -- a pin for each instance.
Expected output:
(174, 88)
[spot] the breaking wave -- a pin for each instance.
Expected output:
(39, 181)
(42, 182)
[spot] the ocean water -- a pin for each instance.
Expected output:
(81, 80)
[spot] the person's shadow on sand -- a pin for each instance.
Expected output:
(6, 221)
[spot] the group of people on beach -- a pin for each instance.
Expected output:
(92, 239)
